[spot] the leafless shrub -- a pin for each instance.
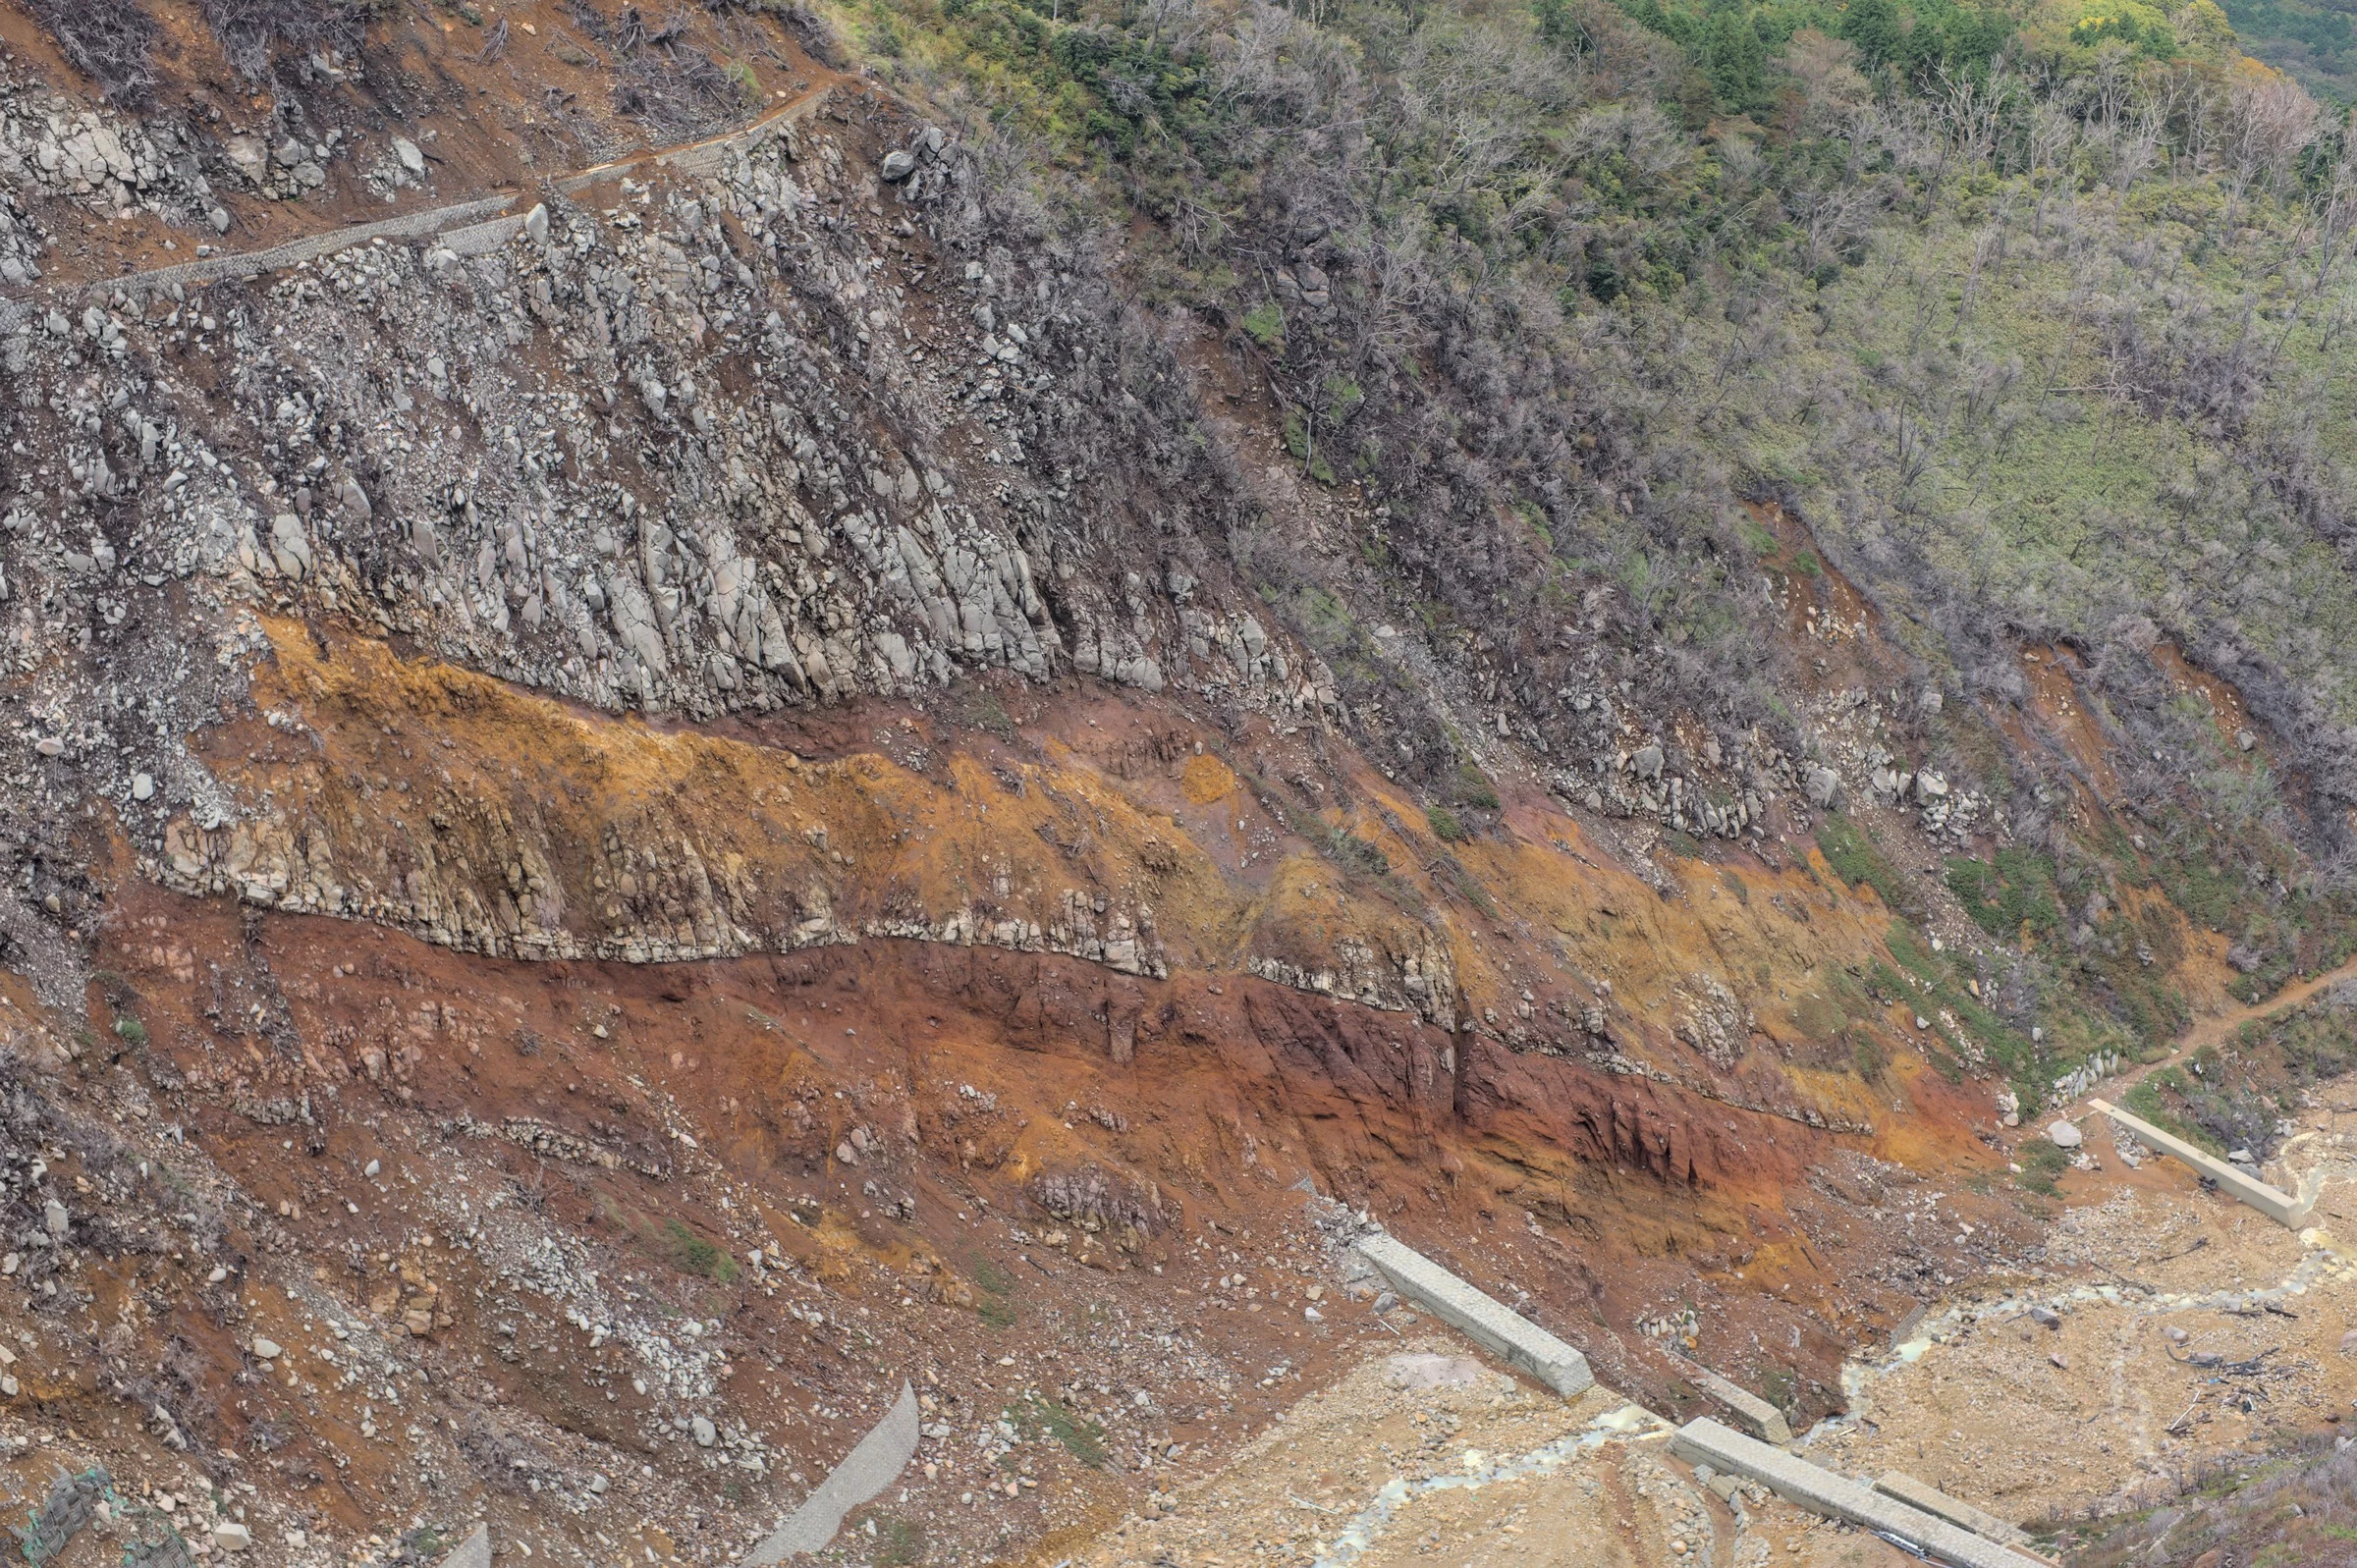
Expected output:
(110, 41)
(183, 1374)
(670, 29)
(676, 88)
(813, 32)
(248, 29)
(591, 20)
(2269, 121)
(503, 1457)
(2172, 354)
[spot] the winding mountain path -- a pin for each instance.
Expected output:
(472, 227)
(2214, 1029)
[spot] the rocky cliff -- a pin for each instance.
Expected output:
(660, 768)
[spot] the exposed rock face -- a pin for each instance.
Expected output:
(719, 449)
(762, 439)
(710, 740)
(55, 149)
(751, 851)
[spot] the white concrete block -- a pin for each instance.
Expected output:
(1916, 1494)
(1488, 1323)
(473, 1553)
(1763, 1420)
(1819, 1491)
(2281, 1207)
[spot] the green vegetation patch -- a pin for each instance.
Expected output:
(1857, 861)
(996, 1304)
(696, 1254)
(1036, 1416)
(2042, 1163)
(2146, 1100)
(1353, 854)
(2007, 896)
(1472, 789)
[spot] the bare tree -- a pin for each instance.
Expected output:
(1970, 109)
(2269, 119)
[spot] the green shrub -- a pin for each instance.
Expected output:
(1445, 825)
(1856, 861)
(996, 1306)
(2010, 895)
(901, 1542)
(1870, 1058)
(1355, 853)
(694, 1254)
(1474, 788)
(2145, 1100)
(2041, 1162)
(1035, 1415)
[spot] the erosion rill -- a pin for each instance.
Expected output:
(1171, 784)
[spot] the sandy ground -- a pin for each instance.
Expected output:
(1428, 1457)
(2148, 1281)
(2185, 1331)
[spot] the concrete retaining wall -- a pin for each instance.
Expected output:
(295, 252)
(473, 1553)
(1916, 1494)
(482, 239)
(866, 1471)
(1763, 1420)
(1488, 1323)
(2281, 1207)
(1822, 1491)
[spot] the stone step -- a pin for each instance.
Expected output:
(1819, 1491)
(1487, 1322)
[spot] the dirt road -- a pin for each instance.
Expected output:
(2210, 1031)
(474, 212)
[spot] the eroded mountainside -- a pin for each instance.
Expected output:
(708, 710)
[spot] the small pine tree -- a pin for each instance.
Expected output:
(1735, 61)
